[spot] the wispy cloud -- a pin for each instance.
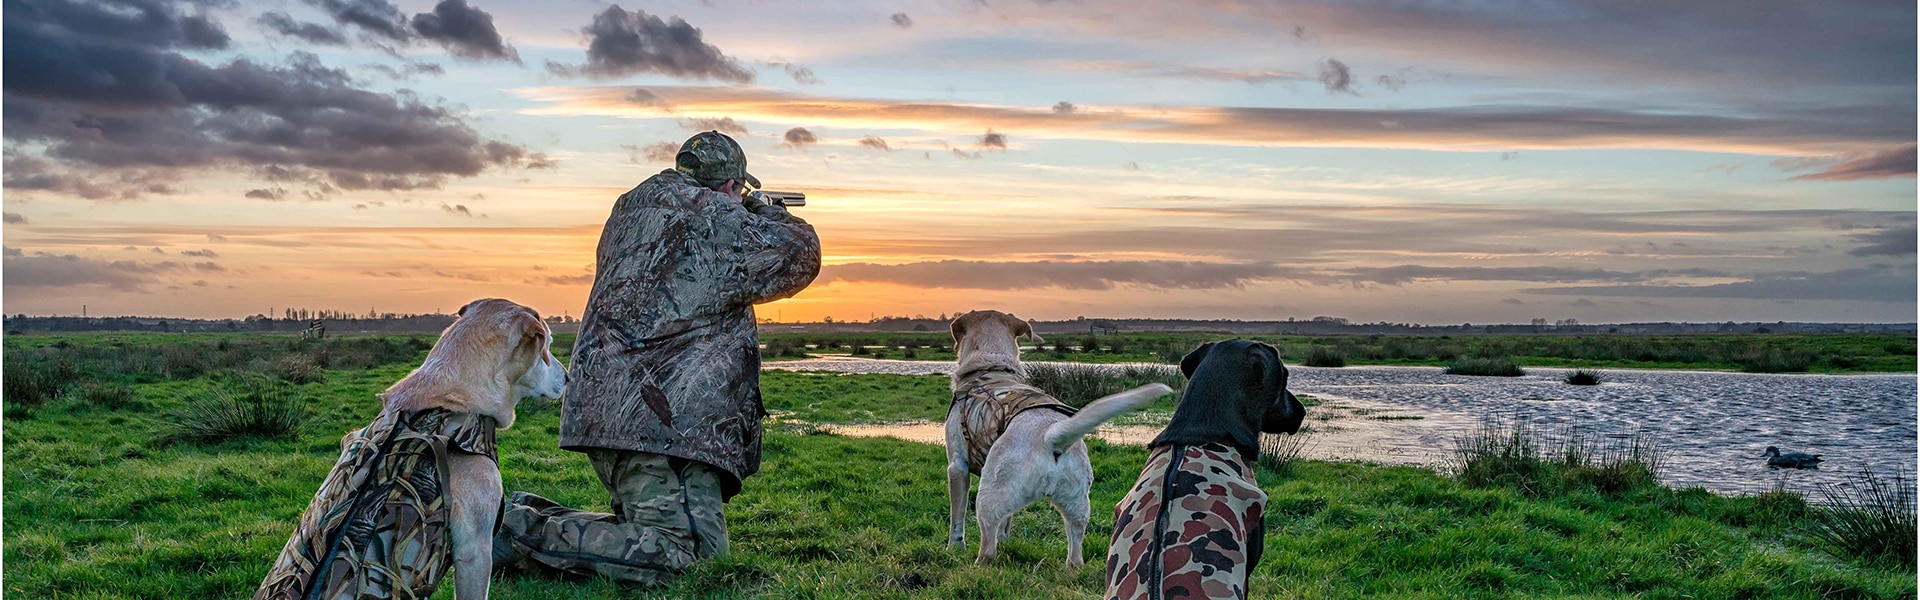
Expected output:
(1470, 128)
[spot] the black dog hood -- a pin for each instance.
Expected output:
(1236, 390)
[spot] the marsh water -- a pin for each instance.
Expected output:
(1712, 426)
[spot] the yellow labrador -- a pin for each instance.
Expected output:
(418, 491)
(1024, 444)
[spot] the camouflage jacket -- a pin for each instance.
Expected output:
(987, 403)
(668, 357)
(377, 528)
(1191, 528)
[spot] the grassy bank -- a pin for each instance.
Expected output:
(1762, 353)
(96, 507)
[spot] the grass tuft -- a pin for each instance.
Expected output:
(111, 396)
(1077, 385)
(1512, 453)
(264, 410)
(1583, 377)
(1868, 518)
(1490, 367)
(1325, 356)
(1281, 452)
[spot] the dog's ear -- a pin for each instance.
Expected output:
(1021, 327)
(525, 328)
(1192, 360)
(958, 327)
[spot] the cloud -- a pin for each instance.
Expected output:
(800, 74)
(993, 140)
(1513, 301)
(408, 71)
(465, 31)
(902, 21)
(267, 194)
(1102, 275)
(622, 43)
(216, 238)
(1897, 162)
(377, 17)
(1403, 274)
(145, 113)
(721, 124)
(1336, 77)
(200, 253)
(1064, 108)
(44, 270)
(15, 219)
(657, 152)
(875, 143)
(799, 136)
(1878, 283)
(313, 33)
(458, 209)
(1478, 128)
(1899, 240)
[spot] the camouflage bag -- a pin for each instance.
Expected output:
(1191, 528)
(377, 528)
(987, 403)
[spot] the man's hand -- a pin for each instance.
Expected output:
(758, 205)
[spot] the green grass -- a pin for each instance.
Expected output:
(95, 508)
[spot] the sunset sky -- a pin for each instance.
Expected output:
(1429, 162)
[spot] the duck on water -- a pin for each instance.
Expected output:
(1791, 460)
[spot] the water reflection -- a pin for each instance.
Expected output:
(1713, 426)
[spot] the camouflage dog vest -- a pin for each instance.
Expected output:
(377, 529)
(987, 403)
(1188, 528)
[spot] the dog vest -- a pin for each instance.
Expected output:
(1184, 530)
(987, 403)
(378, 527)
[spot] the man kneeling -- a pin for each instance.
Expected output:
(665, 393)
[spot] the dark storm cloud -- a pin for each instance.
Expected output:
(377, 17)
(875, 143)
(902, 21)
(799, 136)
(15, 219)
(1891, 241)
(1103, 275)
(118, 119)
(621, 43)
(408, 71)
(1878, 283)
(1335, 75)
(1064, 108)
(145, 23)
(465, 32)
(313, 33)
(800, 73)
(1897, 162)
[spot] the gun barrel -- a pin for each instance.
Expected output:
(785, 198)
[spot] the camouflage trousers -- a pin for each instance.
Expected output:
(667, 515)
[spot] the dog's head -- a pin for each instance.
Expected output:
(1236, 390)
(495, 353)
(985, 339)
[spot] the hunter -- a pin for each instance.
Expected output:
(665, 392)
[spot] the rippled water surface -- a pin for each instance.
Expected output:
(1713, 426)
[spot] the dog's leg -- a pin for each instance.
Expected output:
(474, 483)
(957, 480)
(1075, 510)
(994, 508)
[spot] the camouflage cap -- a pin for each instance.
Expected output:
(712, 156)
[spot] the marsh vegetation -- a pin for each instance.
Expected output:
(102, 502)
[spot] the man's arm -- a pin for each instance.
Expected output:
(779, 254)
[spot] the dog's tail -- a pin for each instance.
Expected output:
(1065, 433)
